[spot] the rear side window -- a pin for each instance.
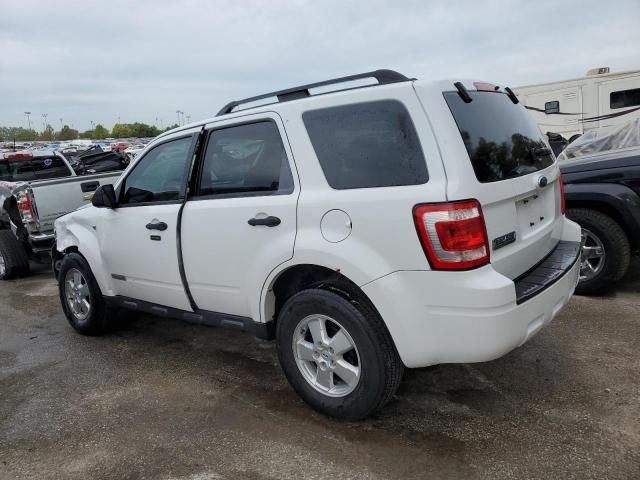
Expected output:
(367, 145)
(39, 168)
(502, 139)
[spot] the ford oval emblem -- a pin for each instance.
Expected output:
(542, 181)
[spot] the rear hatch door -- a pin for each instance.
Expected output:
(493, 151)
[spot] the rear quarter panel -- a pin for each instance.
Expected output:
(383, 237)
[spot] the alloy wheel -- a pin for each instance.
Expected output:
(593, 255)
(77, 294)
(326, 355)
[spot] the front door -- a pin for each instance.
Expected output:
(241, 223)
(139, 237)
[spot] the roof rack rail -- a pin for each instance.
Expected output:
(383, 77)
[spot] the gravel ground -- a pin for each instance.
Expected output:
(159, 399)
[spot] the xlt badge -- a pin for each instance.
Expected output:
(503, 240)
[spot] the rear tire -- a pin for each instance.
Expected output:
(602, 234)
(351, 381)
(13, 259)
(81, 297)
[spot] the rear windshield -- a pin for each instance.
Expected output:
(38, 168)
(366, 145)
(502, 139)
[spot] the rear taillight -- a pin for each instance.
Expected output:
(453, 235)
(561, 188)
(25, 207)
(13, 156)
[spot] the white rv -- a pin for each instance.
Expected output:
(573, 107)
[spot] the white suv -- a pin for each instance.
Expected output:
(365, 228)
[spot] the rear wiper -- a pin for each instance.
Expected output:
(462, 91)
(540, 152)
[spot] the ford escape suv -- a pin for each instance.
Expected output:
(366, 227)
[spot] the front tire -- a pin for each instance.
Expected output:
(13, 259)
(606, 252)
(337, 354)
(81, 297)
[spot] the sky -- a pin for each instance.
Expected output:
(142, 60)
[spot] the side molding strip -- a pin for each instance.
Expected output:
(199, 317)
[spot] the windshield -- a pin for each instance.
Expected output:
(502, 139)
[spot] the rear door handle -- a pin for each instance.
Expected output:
(267, 221)
(157, 226)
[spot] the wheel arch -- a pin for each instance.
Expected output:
(294, 278)
(616, 201)
(74, 238)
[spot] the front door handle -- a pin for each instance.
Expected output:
(267, 221)
(157, 226)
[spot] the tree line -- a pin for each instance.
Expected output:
(99, 132)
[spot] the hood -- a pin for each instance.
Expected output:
(603, 161)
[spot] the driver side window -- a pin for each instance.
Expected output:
(160, 176)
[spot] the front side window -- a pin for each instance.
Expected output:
(160, 175)
(625, 98)
(366, 145)
(246, 158)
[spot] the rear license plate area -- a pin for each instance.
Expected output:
(535, 212)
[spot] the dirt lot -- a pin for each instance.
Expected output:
(164, 400)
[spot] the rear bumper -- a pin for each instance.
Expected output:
(474, 316)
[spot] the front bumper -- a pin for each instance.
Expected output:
(475, 316)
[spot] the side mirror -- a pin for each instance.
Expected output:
(105, 197)
(552, 107)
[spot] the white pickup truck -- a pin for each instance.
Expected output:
(35, 189)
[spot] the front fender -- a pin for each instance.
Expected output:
(76, 233)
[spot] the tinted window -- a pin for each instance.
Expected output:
(502, 139)
(367, 145)
(625, 98)
(160, 175)
(246, 158)
(39, 168)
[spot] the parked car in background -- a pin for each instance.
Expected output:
(366, 229)
(35, 189)
(602, 189)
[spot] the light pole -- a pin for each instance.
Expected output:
(60, 123)
(179, 112)
(28, 119)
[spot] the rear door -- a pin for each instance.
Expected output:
(493, 151)
(241, 223)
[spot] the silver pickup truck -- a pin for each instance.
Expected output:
(35, 189)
